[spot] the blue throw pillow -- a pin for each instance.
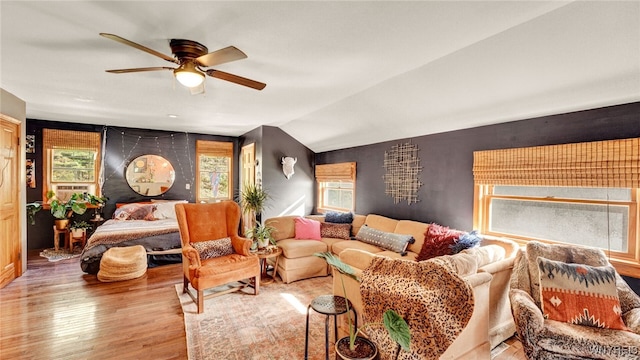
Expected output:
(388, 241)
(338, 218)
(466, 241)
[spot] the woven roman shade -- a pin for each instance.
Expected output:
(68, 139)
(214, 148)
(336, 172)
(611, 163)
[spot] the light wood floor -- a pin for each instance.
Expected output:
(55, 311)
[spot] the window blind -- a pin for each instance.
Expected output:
(214, 148)
(610, 163)
(336, 172)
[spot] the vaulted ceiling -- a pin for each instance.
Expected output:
(338, 74)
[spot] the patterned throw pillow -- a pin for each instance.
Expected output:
(338, 217)
(389, 241)
(213, 248)
(438, 241)
(135, 211)
(336, 231)
(580, 294)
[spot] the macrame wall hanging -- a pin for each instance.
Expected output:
(402, 166)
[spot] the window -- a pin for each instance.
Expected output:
(336, 186)
(214, 170)
(71, 162)
(583, 194)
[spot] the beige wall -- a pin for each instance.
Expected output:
(16, 108)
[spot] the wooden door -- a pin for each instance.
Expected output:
(247, 176)
(10, 238)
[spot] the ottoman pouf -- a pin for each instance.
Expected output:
(123, 263)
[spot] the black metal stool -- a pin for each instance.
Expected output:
(328, 305)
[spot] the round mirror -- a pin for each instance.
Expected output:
(150, 175)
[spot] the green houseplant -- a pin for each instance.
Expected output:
(32, 209)
(395, 325)
(253, 200)
(79, 227)
(262, 235)
(63, 210)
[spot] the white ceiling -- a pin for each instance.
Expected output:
(338, 74)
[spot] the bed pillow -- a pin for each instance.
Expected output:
(438, 241)
(338, 217)
(336, 231)
(213, 248)
(579, 294)
(307, 229)
(135, 211)
(166, 209)
(385, 240)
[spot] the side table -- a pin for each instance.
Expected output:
(56, 237)
(263, 255)
(329, 305)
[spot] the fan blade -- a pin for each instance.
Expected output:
(197, 89)
(230, 53)
(139, 47)
(122, 71)
(236, 79)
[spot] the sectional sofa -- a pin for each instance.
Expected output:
(488, 272)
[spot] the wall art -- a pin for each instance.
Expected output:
(30, 144)
(402, 177)
(31, 173)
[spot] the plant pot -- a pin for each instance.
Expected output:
(263, 243)
(77, 233)
(365, 349)
(61, 224)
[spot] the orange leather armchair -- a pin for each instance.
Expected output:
(203, 222)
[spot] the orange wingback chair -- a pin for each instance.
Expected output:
(216, 221)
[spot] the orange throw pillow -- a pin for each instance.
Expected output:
(580, 294)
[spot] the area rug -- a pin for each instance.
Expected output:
(271, 325)
(54, 255)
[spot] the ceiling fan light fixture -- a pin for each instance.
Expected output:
(188, 75)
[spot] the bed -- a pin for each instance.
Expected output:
(152, 225)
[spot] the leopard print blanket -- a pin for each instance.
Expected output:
(436, 303)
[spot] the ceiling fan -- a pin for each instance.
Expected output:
(191, 57)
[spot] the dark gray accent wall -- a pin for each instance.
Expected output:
(122, 146)
(447, 160)
(288, 196)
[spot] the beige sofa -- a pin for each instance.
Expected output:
(491, 322)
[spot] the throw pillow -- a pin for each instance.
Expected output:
(580, 294)
(213, 248)
(437, 241)
(307, 229)
(167, 209)
(135, 211)
(466, 241)
(388, 241)
(337, 231)
(338, 218)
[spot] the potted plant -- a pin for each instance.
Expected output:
(63, 210)
(253, 199)
(357, 347)
(78, 228)
(262, 235)
(32, 209)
